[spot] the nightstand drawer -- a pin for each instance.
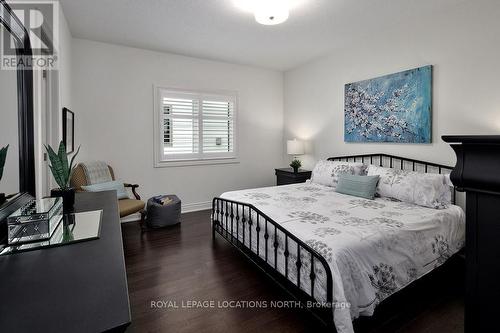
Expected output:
(287, 176)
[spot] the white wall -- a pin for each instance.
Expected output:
(113, 102)
(464, 48)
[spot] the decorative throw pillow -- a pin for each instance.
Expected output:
(423, 189)
(358, 186)
(327, 172)
(116, 185)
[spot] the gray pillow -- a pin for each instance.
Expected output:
(358, 186)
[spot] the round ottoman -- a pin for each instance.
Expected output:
(163, 211)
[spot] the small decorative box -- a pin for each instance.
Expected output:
(35, 221)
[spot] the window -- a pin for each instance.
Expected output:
(194, 126)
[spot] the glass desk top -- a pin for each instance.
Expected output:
(73, 228)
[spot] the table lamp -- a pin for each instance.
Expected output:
(295, 147)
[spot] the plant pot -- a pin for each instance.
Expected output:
(68, 197)
(68, 226)
(2, 198)
(295, 169)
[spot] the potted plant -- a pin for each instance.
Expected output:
(296, 164)
(61, 171)
(3, 157)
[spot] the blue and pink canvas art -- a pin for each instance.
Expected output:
(390, 108)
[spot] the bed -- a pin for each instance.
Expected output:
(340, 255)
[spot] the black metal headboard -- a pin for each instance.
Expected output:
(401, 163)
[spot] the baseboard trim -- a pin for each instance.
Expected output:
(194, 207)
(185, 208)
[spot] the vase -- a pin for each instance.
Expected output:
(295, 169)
(2, 198)
(68, 226)
(68, 197)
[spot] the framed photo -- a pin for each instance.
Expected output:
(68, 123)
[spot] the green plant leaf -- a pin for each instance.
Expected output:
(56, 167)
(296, 163)
(63, 157)
(56, 176)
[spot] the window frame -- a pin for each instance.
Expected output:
(165, 160)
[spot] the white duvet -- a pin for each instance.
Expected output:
(373, 247)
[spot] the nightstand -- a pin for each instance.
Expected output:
(287, 176)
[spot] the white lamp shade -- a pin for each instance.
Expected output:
(295, 147)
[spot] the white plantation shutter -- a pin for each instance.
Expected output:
(180, 125)
(196, 125)
(218, 126)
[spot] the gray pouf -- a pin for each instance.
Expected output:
(163, 215)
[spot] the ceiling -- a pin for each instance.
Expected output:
(219, 30)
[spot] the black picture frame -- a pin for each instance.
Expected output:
(68, 127)
(24, 52)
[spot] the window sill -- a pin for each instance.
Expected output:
(194, 162)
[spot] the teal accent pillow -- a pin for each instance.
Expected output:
(358, 186)
(116, 185)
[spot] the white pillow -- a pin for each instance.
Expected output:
(327, 172)
(423, 189)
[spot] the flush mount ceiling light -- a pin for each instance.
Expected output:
(272, 12)
(267, 12)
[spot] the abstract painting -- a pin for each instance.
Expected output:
(390, 108)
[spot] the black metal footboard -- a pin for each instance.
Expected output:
(280, 254)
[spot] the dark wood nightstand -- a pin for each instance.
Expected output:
(287, 176)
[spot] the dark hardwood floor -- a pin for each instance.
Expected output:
(182, 264)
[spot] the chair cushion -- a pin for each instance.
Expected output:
(130, 206)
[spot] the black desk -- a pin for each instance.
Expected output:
(76, 288)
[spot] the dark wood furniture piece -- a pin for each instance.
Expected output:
(227, 214)
(287, 176)
(75, 288)
(478, 174)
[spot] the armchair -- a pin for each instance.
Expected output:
(126, 206)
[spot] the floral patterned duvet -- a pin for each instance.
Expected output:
(373, 247)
